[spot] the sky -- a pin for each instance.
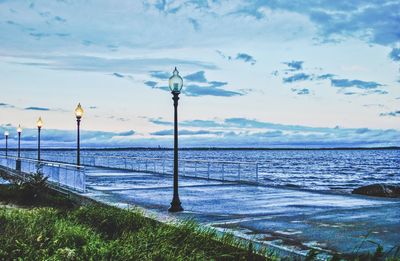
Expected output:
(271, 73)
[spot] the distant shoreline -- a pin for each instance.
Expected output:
(208, 149)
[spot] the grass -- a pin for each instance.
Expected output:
(52, 228)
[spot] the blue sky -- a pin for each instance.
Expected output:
(256, 73)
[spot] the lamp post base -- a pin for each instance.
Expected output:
(175, 205)
(18, 165)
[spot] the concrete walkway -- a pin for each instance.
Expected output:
(281, 217)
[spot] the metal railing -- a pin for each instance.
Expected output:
(211, 170)
(60, 174)
(238, 171)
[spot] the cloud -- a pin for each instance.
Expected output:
(39, 35)
(200, 123)
(185, 132)
(297, 77)
(374, 105)
(197, 90)
(301, 91)
(246, 58)
(118, 75)
(195, 24)
(345, 83)
(44, 14)
(126, 133)
(160, 75)
(217, 84)
(59, 19)
(160, 121)
(204, 88)
(373, 21)
(36, 109)
(325, 76)
(351, 93)
(254, 133)
(395, 54)
(187, 123)
(196, 77)
(230, 132)
(256, 124)
(275, 73)
(122, 76)
(226, 57)
(67, 138)
(295, 65)
(391, 114)
(381, 92)
(160, 5)
(151, 84)
(101, 64)
(6, 105)
(369, 87)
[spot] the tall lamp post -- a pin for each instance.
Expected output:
(175, 85)
(19, 130)
(6, 136)
(18, 161)
(78, 114)
(39, 124)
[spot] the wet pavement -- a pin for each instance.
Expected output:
(281, 217)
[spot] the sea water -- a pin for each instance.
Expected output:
(341, 170)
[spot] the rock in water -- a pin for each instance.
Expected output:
(378, 190)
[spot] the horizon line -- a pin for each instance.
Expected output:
(209, 148)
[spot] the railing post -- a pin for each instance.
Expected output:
(208, 170)
(84, 180)
(223, 172)
(195, 168)
(184, 168)
(75, 173)
(239, 171)
(146, 165)
(257, 172)
(163, 166)
(125, 162)
(58, 176)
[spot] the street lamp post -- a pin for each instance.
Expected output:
(78, 114)
(18, 161)
(175, 85)
(6, 136)
(19, 130)
(39, 124)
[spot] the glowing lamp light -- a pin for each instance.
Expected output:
(39, 122)
(6, 133)
(79, 111)
(19, 129)
(175, 82)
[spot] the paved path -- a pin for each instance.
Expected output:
(278, 216)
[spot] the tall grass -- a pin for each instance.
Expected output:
(105, 233)
(98, 232)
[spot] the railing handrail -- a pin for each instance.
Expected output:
(60, 164)
(186, 160)
(161, 159)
